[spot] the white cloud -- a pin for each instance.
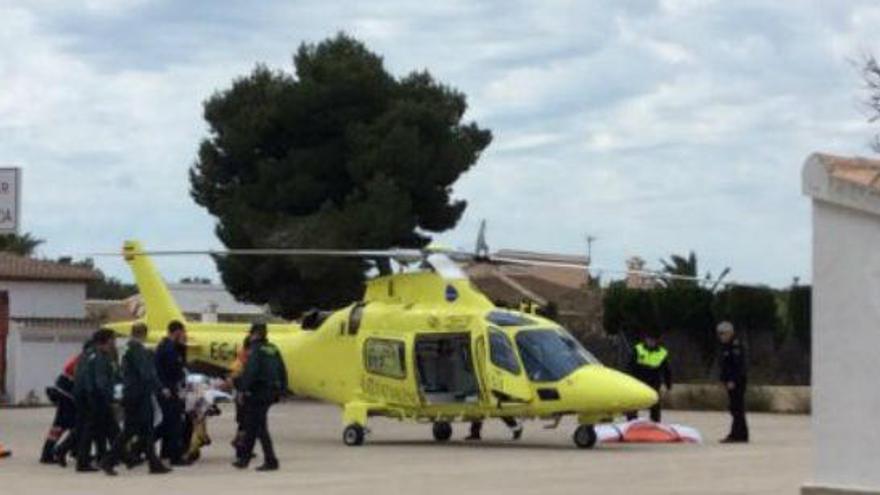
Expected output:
(661, 128)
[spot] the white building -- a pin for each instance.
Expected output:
(846, 323)
(42, 323)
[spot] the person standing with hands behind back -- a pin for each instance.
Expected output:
(733, 376)
(262, 383)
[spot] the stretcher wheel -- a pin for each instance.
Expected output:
(442, 431)
(585, 436)
(353, 435)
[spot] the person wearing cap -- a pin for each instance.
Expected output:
(262, 383)
(733, 376)
(650, 365)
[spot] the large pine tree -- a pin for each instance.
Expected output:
(340, 154)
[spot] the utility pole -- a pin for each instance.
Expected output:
(590, 240)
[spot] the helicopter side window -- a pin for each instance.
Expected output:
(501, 352)
(355, 317)
(385, 357)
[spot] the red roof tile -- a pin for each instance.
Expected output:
(15, 267)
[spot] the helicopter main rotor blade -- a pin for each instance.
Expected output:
(408, 254)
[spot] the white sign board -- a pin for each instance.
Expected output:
(10, 199)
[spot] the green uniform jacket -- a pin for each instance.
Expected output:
(103, 378)
(80, 375)
(94, 378)
(264, 377)
(139, 378)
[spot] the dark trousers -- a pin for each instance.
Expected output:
(238, 441)
(655, 410)
(171, 430)
(739, 429)
(477, 426)
(138, 423)
(96, 425)
(256, 428)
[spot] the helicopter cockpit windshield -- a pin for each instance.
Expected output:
(550, 355)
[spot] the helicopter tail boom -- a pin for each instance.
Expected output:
(160, 308)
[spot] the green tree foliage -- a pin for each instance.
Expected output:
(24, 244)
(799, 313)
(110, 288)
(657, 311)
(630, 311)
(749, 308)
(103, 287)
(340, 155)
(684, 266)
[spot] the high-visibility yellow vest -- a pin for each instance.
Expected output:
(650, 358)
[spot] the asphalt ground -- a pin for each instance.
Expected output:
(402, 458)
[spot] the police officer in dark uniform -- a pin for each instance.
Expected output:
(262, 383)
(140, 384)
(650, 365)
(93, 392)
(733, 376)
(170, 367)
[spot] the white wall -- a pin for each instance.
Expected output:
(846, 347)
(35, 358)
(45, 299)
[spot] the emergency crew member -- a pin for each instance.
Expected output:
(140, 384)
(733, 376)
(170, 360)
(650, 365)
(61, 394)
(93, 393)
(235, 372)
(262, 383)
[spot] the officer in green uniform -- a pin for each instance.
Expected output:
(93, 392)
(140, 384)
(262, 383)
(650, 365)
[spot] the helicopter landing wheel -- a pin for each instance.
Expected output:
(442, 431)
(585, 436)
(353, 435)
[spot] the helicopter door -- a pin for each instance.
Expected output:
(501, 373)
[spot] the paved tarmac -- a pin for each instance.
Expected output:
(402, 458)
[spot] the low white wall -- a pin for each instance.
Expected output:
(846, 347)
(35, 358)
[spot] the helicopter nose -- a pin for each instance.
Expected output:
(604, 390)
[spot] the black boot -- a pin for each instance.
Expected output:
(269, 465)
(48, 455)
(63, 448)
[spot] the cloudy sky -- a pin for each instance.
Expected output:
(658, 126)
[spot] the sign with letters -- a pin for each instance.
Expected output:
(10, 199)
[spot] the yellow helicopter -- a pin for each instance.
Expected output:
(423, 345)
